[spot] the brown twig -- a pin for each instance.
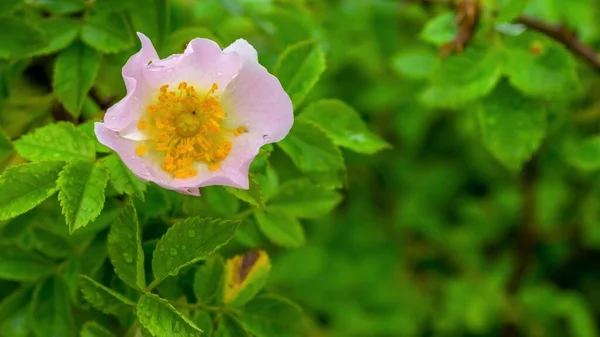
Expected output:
(467, 17)
(526, 240)
(566, 37)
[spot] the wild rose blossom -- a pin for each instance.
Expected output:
(198, 118)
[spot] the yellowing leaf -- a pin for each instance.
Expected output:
(245, 275)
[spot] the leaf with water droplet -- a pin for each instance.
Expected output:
(125, 253)
(59, 141)
(212, 234)
(160, 318)
(81, 188)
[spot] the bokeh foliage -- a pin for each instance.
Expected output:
(429, 186)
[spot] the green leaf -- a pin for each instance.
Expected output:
(270, 316)
(303, 199)
(112, 5)
(310, 149)
(587, 154)
(93, 329)
(299, 68)
(161, 319)
(7, 7)
(122, 179)
(81, 192)
(440, 30)
(59, 141)
(344, 126)
(50, 244)
(19, 39)
(245, 276)
(464, 77)
(107, 32)
(203, 321)
(26, 186)
(152, 18)
(18, 299)
(540, 68)
(512, 126)
(60, 31)
(104, 299)
(52, 309)
(417, 64)
(510, 9)
(208, 279)
(252, 195)
(223, 203)
(281, 228)
(6, 147)
(230, 327)
(60, 6)
(19, 265)
(125, 248)
(74, 73)
(189, 241)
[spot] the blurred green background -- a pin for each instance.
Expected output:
(483, 217)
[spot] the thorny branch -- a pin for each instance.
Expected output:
(566, 37)
(467, 16)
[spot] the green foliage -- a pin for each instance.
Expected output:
(60, 141)
(187, 242)
(303, 199)
(281, 228)
(161, 319)
(310, 149)
(74, 74)
(434, 183)
(107, 32)
(512, 130)
(464, 77)
(121, 178)
(103, 298)
(208, 280)
(26, 186)
(299, 69)
(81, 192)
(23, 39)
(268, 316)
(19, 265)
(125, 248)
(344, 126)
(51, 309)
(93, 329)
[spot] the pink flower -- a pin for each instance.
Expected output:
(198, 118)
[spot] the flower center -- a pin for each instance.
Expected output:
(185, 128)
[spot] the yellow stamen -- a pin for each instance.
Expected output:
(141, 150)
(185, 129)
(239, 131)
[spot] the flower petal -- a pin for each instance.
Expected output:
(126, 112)
(244, 49)
(233, 171)
(202, 64)
(256, 100)
(125, 148)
